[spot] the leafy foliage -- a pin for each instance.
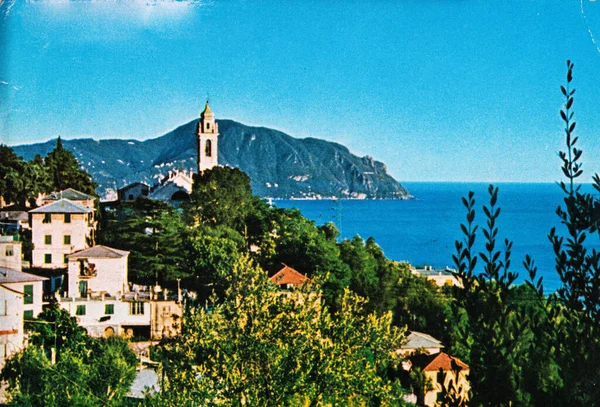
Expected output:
(64, 171)
(152, 232)
(259, 347)
(88, 371)
(21, 182)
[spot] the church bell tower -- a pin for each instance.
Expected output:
(208, 137)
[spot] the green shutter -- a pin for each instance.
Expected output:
(28, 291)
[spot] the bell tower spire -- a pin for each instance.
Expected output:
(208, 137)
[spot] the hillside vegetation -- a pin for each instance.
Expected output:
(279, 166)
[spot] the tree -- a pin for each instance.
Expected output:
(12, 183)
(262, 348)
(221, 196)
(154, 233)
(98, 375)
(576, 306)
(495, 331)
(56, 328)
(211, 255)
(423, 306)
(65, 172)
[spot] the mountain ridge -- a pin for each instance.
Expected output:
(279, 165)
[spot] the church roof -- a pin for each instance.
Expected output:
(62, 206)
(99, 252)
(207, 113)
(69, 193)
(288, 275)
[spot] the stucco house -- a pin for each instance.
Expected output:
(97, 271)
(441, 369)
(58, 229)
(288, 277)
(99, 297)
(419, 342)
(133, 191)
(21, 299)
(441, 277)
(72, 195)
(10, 253)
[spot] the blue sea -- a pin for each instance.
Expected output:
(422, 231)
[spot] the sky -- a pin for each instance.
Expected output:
(439, 90)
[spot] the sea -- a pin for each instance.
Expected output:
(423, 231)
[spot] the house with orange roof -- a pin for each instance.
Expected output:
(288, 278)
(440, 371)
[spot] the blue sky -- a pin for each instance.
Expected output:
(439, 90)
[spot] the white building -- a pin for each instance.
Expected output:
(58, 229)
(141, 315)
(178, 185)
(98, 296)
(441, 277)
(208, 138)
(20, 299)
(97, 271)
(133, 191)
(10, 253)
(72, 195)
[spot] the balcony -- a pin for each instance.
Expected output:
(87, 270)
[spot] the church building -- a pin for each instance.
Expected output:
(177, 186)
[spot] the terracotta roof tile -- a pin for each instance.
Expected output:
(288, 275)
(433, 363)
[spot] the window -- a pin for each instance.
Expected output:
(47, 218)
(28, 315)
(67, 239)
(67, 218)
(9, 251)
(65, 258)
(208, 148)
(136, 308)
(83, 288)
(109, 309)
(28, 291)
(3, 306)
(48, 239)
(80, 310)
(47, 258)
(207, 125)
